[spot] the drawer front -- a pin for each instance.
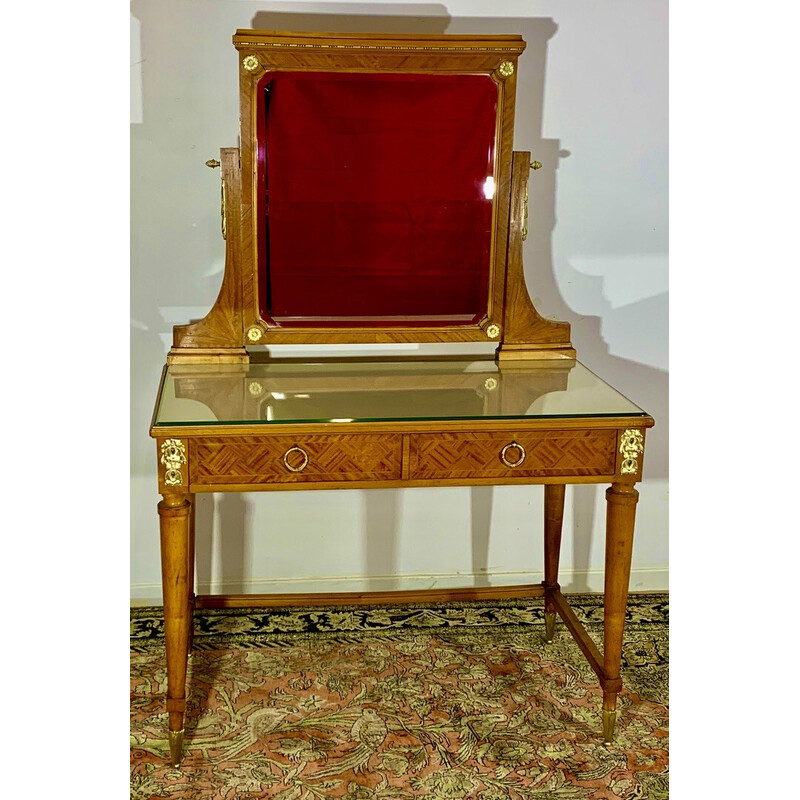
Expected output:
(290, 459)
(542, 454)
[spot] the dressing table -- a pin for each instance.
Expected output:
(375, 198)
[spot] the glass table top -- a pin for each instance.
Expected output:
(360, 390)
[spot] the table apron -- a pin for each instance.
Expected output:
(342, 460)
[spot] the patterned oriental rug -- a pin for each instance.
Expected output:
(458, 700)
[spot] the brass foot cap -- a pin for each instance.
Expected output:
(549, 626)
(609, 721)
(175, 747)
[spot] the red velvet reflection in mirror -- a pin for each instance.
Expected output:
(376, 194)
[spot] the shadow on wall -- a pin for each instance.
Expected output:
(345, 18)
(645, 385)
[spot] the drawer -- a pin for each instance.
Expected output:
(295, 459)
(512, 454)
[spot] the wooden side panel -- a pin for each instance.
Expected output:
(327, 457)
(526, 334)
(219, 336)
(547, 453)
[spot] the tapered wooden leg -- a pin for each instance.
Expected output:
(553, 518)
(190, 573)
(174, 513)
(621, 501)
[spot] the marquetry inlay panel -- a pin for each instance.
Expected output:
(290, 459)
(479, 455)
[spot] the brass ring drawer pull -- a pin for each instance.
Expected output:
(304, 462)
(516, 463)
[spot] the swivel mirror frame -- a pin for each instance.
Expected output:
(236, 320)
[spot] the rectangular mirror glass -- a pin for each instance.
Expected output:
(376, 198)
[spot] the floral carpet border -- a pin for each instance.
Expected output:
(253, 627)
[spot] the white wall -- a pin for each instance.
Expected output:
(592, 107)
